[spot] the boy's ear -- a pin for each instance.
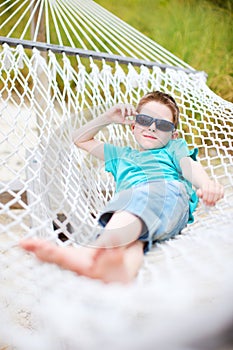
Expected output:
(175, 134)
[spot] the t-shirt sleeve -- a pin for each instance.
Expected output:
(112, 154)
(180, 150)
(193, 153)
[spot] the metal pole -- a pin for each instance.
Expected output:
(71, 51)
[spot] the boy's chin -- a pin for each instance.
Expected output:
(150, 148)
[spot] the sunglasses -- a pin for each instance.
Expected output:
(161, 124)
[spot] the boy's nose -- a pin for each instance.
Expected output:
(152, 127)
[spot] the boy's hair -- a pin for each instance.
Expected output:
(166, 99)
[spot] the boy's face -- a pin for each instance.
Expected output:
(149, 137)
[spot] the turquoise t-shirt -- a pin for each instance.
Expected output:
(131, 167)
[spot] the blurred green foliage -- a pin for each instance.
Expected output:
(198, 32)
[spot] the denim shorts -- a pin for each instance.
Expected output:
(163, 207)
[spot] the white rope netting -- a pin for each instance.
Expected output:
(52, 189)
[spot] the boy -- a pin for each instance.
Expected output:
(154, 197)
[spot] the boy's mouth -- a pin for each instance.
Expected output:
(150, 137)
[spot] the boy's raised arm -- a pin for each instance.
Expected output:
(84, 136)
(207, 189)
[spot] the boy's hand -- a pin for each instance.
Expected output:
(118, 114)
(210, 192)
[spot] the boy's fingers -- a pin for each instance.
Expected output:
(129, 121)
(129, 109)
(209, 197)
(211, 194)
(132, 110)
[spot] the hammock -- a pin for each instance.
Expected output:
(54, 80)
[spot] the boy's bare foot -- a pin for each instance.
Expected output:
(105, 264)
(78, 260)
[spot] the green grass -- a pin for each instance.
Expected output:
(198, 32)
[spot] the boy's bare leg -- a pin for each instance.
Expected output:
(122, 229)
(120, 254)
(102, 263)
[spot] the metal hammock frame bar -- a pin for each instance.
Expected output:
(27, 44)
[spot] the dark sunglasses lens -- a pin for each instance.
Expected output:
(145, 120)
(164, 125)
